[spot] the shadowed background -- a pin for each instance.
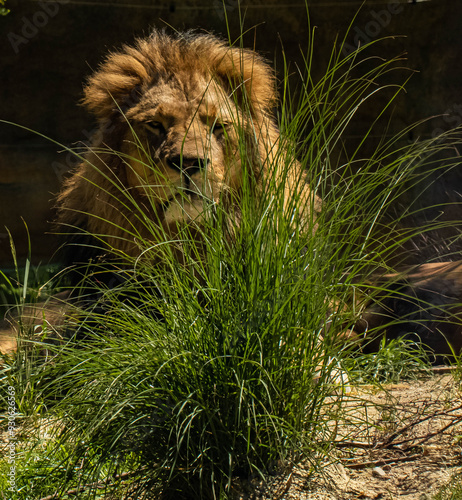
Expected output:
(50, 47)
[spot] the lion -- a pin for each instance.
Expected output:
(184, 121)
(172, 111)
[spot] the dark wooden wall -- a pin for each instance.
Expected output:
(49, 48)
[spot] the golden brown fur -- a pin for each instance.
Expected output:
(174, 106)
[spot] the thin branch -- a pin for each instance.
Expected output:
(423, 439)
(444, 369)
(383, 461)
(355, 444)
(388, 442)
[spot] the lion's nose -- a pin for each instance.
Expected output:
(187, 165)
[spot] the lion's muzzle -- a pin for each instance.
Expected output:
(188, 167)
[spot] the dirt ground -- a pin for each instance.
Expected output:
(402, 442)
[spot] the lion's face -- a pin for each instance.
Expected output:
(179, 118)
(183, 146)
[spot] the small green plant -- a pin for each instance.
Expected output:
(457, 363)
(395, 360)
(205, 368)
(451, 491)
(41, 283)
(25, 283)
(3, 9)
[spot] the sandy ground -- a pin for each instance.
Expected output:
(402, 442)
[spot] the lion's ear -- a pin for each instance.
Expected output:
(115, 87)
(249, 79)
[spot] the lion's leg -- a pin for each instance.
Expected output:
(423, 304)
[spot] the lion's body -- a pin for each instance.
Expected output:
(175, 110)
(422, 304)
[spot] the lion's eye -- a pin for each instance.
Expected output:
(155, 128)
(219, 129)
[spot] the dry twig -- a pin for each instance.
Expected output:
(383, 461)
(418, 440)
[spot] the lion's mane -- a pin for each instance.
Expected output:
(93, 200)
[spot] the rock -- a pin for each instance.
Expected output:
(379, 472)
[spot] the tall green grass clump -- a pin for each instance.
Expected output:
(213, 359)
